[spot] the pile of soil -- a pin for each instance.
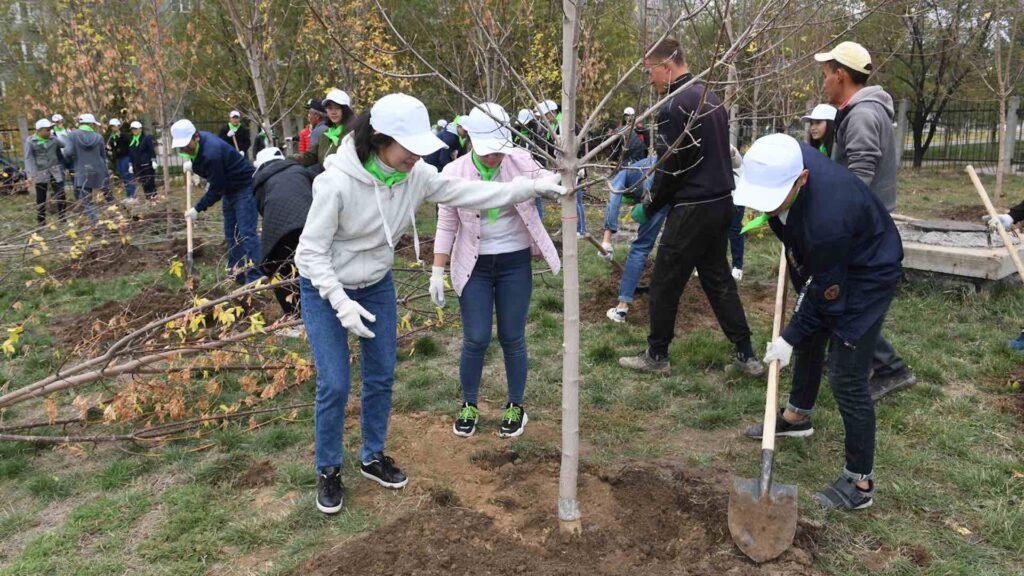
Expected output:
(963, 213)
(494, 513)
(694, 309)
(114, 260)
(115, 318)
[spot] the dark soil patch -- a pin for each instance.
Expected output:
(963, 213)
(116, 260)
(116, 318)
(694, 309)
(260, 474)
(663, 521)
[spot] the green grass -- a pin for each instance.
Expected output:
(948, 456)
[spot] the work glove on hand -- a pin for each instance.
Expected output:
(639, 214)
(549, 187)
(351, 314)
(779, 350)
(186, 166)
(231, 133)
(1006, 219)
(191, 214)
(155, 164)
(437, 286)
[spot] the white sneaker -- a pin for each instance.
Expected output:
(609, 254)
(616, 314)
(737, 274)
(293, 332)
(580, 235)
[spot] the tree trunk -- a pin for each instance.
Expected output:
(1001, 160)
(568, 508)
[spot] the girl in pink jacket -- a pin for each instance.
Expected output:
(491, 252)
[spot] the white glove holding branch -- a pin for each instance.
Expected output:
(351, 314)
(1006, 219)
(437, 286)
(779, 350)
(549, 186)
(191, 214)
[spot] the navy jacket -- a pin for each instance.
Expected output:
(144, 153)
(442, 157)
(844, 253)
(223, 167)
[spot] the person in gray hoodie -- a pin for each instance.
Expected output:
(866, 145)
(88, 154)
(45, 168)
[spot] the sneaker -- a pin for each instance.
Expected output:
(293, 332)
(513, 422)
(581, 235)
(465, 422)
(608, 251)
(844, 494)
(644, 362)
(617, 314)
(783, 428)
(884, 385)
(747, 365)
(737, 274)
(382, 470)
(329, 491)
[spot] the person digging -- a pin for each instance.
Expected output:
(845, 256)
(1014, 216)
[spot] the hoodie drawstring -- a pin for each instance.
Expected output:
(387, 227)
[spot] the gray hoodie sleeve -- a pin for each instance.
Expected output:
(863, 147)
(30, 162)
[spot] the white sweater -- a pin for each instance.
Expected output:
(355, 221)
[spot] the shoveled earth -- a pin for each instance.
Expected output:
(488, 507)
(115, 259)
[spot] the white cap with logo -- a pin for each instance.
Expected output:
(849, 54)
(267, 155)
(43, 123)
(487, 125)
(87, 119)
(339, 97)
(770, 168)
(821, 112)
(182, 132)
(114, 122)
(405, 119)
(629, 111)
(235, 114)
(136, 124)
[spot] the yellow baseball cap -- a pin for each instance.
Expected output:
(849, 54)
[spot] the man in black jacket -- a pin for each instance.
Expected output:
(237, 134)
(694, 176)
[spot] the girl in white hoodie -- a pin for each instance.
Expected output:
(363, 202)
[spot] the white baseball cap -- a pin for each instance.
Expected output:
(87, 119)
(267, 155)
(442, 123)
(629, 111)
(57, 118)
(849, 54)
(821, 112)
(770, 167)
(44, 123)
(487, 125)
(405, 119)
(546, 107)
(182, 132)
(114, 122)
(525, 116)
(339, 97)
(235, 114)
(136, 124)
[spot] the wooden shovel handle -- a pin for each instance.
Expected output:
(995, 217)
(188, 206)
(771, 402)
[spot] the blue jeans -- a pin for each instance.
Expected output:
(329, 342)
(127, 177)
(581, 215)
(240, 217)
(736, 239)
(501, 282)
(639, 250)
(84, 195)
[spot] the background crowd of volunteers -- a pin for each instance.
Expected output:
(333, 213)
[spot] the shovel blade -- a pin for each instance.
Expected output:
(762, 525)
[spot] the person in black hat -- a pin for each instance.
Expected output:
(317, 117)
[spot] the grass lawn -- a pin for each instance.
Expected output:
(238, 498)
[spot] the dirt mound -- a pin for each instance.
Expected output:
(116, 260)
(963, 213)
(260, 474)
(115, 318)
(694, 309)
(493, 512)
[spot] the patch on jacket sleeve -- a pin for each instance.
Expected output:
(832, 292)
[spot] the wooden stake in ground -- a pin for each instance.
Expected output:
(995, 220)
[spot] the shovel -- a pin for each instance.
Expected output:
(995, 219)
(762, 515)
(191, 274)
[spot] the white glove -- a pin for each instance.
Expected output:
(191, 214)
(351, 315)
(186, 165)
(1006, 219)
(155, 164)
(131, 169)
(437, 286)
(549, 187)
(779, 350)
(231, 133)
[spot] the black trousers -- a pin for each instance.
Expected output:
(695, 236)
(145, 176)
(281, 261)
(58, 196)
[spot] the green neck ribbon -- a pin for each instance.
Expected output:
(487, 174)
(59, 130)
(234, 127)
(192, 156)
(822, 149)
(86, 128)
(40, 139)
(462, 142)
(135, 140)
(389, 180)
(334, 133)
(762, 220)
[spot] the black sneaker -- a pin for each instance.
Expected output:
(746, 365)
(382, 470)
(329, 491)
(465, 422)
(844, 494)
(881, 386)
(644, 362)
(783, 428)
(513, 422)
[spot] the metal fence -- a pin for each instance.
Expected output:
(965, 135)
